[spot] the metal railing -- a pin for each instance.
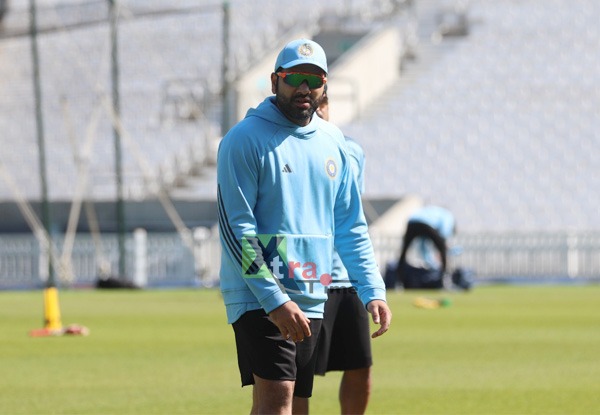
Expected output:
(498, 256)
(162, 259)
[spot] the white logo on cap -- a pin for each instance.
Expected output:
(305, 49)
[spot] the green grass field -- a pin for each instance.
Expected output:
(495, 350)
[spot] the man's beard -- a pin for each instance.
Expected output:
(291, 111)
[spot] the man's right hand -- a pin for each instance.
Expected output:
(291, 321)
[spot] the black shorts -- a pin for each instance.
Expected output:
(345, 339)
(262, 351)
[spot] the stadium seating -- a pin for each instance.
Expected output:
(498, 125)
(157, 42)
(497, 122)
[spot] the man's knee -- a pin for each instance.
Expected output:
(272, 396)
(360, 376)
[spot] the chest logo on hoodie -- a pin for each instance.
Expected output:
(331, 168)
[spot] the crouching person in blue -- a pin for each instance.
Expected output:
(429, 229)
(286, 199)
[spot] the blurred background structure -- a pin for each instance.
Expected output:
(488, 108)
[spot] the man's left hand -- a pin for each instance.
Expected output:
(381, 314)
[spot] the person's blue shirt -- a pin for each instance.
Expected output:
(357, 161)
(286, 198)
(440, 219)
(437, 217)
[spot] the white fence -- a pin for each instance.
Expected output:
(162, 259)
(541, 256)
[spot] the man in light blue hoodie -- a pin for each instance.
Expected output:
(286, 198)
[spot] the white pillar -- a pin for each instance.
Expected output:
(140, 277)
(201, 235)
(572, 256)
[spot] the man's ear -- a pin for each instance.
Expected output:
(274, 83)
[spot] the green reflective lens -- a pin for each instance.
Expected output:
(295, 79)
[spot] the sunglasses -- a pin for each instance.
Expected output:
(296, 79)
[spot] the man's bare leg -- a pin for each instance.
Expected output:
(272, 396)
(355, 390)
(300, 406)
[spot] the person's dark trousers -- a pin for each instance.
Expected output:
(416, 230)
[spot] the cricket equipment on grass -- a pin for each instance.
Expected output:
(431, 303)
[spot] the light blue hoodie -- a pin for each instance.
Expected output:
(357, 162)
(286, 196)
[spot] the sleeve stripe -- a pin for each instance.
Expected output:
(228, 235)
(226, 232)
